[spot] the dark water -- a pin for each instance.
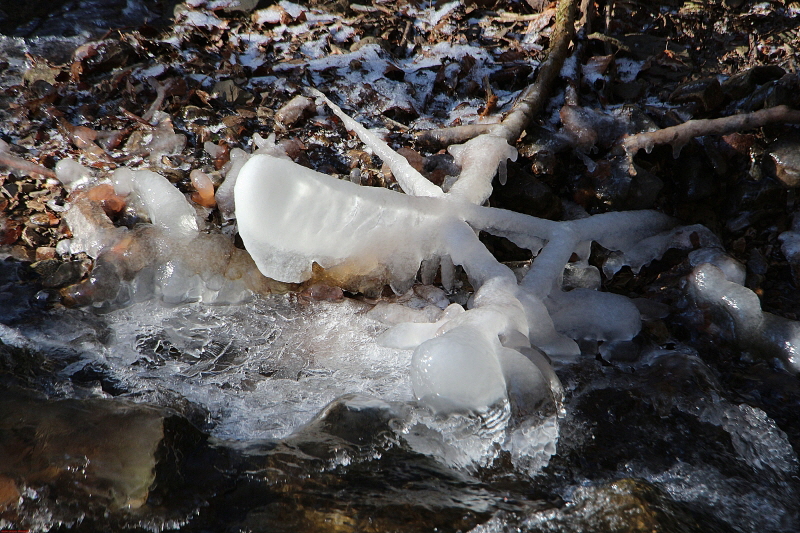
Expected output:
(69, 18)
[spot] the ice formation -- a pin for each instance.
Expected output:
(468, 361)
(169, 258)
(488, 364)
(740, 307)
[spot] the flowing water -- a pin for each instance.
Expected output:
(284, 415)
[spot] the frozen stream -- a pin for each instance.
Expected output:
(658, 438)
(260, 369)
(285, 415)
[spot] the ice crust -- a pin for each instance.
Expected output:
(262, 369)
(164, 205)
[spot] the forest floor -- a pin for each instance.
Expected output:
(406, 67)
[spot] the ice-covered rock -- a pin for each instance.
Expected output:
(762, 333)
(164, 205)
(225, 192)
(650, 248)
(72, 174)
(584, 314)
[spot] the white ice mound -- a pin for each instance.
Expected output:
(591, 315)
(290, 216)
(458, 371)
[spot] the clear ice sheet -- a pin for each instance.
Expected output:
(261, 369)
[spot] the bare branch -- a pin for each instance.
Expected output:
(681, 134)
(453, 135)
(7, 159)
(532, 99)
(531, 102)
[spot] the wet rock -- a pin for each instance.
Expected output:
(64, 274)
(322, 292)
(783, 160)
(110, 201)
(590, 127)
(229, 93)
(100, 449)
(621, 184)
(9, 494)
(97, 58)
(785, 91)
(744, 83)
(643, 46)
(526, 194)
(45, 252)
(294, 110)
(626, 505)
(541, 146)
(309, 479)
(16, 293)
(706, 93)
(628, 91)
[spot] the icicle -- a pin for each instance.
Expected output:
(502, 172)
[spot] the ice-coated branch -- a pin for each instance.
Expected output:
(478, 158)
(482, 157)
(681, 134)
(407, 176)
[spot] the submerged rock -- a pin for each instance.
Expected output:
(98, 451)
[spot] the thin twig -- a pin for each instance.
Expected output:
(516, 17)
(135, 117)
